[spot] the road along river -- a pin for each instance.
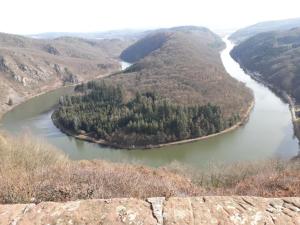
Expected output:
(268, 133)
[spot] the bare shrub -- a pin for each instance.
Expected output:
(33, 171)
(21, 159)
(269, 178)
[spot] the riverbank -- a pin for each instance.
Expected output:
(47, 89)
(279, 93)
(85, 137)
(6, 108)
(29, 97)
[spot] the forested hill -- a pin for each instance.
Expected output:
(247, 32)
(276, 56)
(183, 65)
(177, 89)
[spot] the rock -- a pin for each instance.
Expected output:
(3, 66)
(183, 211)
(69, 77)
(232, 210)
(51, 50)
(157, 208)
(116, 211)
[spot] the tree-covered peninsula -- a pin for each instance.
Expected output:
(100, 111)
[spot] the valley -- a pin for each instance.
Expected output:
(269, 115)
(150, 112)
(68, 143)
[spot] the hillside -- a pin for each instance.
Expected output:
(247, 32)
(155, 39)
(185, 67)
(30, 66)
(276, 57)
(177, 89)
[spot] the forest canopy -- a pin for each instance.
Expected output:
(100, 111)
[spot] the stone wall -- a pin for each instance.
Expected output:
(157, 211)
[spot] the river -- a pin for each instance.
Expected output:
(267, 134)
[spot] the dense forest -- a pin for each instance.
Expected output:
(276, 57)
(100, 111)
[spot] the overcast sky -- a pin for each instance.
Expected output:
(36, 16)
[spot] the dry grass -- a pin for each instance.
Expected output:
(21, 160)
(33, 171)
(270, 178)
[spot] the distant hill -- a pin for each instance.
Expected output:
(250, 31)
(144, 47)
(30, 66)
(183, 64)
(276, 56)
(155, 39)
(114, 34)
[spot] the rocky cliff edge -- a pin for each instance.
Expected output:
(158, 211)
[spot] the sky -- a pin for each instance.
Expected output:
(38, 16)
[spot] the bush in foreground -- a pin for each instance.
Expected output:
(269, 178)
(33, 171)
